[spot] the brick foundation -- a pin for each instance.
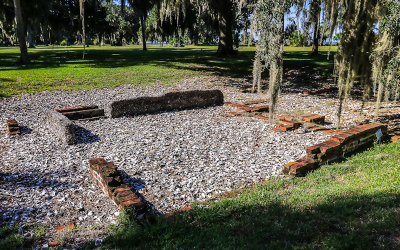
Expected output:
(106, 176)
(12, 127)
(82, 112)
(336, 147)
(291, 123)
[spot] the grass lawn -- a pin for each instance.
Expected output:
(62, 68)
(351, 205)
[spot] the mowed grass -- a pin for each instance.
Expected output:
(62, 68)
(351, 205)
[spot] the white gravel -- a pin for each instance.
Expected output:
(172, 158)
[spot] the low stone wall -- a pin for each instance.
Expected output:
(336, 147)
(167, 102)
(61, 127)
(107, 178)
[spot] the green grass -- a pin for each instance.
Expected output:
(351, 205)
(10, 239)
(62, 68)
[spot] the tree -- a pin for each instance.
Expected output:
(223, 15)
(296, 39)
(143, 7)
(21, 32)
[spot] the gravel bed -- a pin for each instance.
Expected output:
(171, 158)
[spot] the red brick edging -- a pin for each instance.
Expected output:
(344, 142)
(107, 178)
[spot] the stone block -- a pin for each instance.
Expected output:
(61, 127)
(168, 102)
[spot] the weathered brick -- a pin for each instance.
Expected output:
(295, 125)
(287, 118)
(121, 199)
(12, 127)
(262, 108)
(54, 243)
(84, 114)
(313, 150)
(314, 118)
(300, 168)
(106, 176)
(395, 138)
(343, 137)
(254, 102)
(287, 167)
(329, 146)
(262, 117)
(244, 108)
(136, 203)
(285, 127)
(74, 109)
(231, 114)
(234, 105)
(122, 188)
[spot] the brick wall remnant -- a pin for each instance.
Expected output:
(82, 112)
(61, 127)
(12, 127)
(343, 143)
(168, 102)
(106, 176)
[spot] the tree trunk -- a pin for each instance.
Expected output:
(31, 37)
(82, 12)
(142, 22)
(21, 32)
(225, 24)
(121, 35)
(122, 6)
(317, 13)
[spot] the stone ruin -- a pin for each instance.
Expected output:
(106, 176)
(60, 121)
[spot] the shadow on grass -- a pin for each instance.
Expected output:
(357, 222)
(194, 59)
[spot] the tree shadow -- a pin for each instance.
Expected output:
(193, 59)
(357, 222)
(84, 136)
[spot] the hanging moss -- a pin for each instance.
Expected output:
(268, 23)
